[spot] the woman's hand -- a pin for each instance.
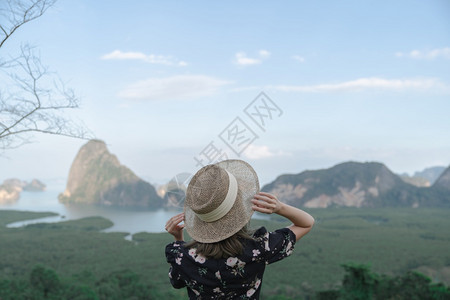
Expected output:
(266, 203)
(174, 228)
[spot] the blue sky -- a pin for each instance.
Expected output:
(159, 81)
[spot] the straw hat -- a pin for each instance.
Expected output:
(218, 200)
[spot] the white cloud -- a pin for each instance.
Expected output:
(174, 87)
(259, 152)
(150, 58)
(264, 54)
(368, 83)
(429, 54)
(242, 59)
(117, 54)
(299, 58)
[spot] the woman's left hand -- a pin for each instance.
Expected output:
(266, 203)
(174, 228)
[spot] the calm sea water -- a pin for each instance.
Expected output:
(125, 220)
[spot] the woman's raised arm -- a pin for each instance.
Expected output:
(267, 203)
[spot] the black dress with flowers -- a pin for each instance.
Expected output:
(229, 278)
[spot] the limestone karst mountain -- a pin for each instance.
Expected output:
(97, 177)
(355, 184)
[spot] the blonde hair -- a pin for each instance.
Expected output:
(232, 246)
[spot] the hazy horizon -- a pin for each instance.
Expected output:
(61, 181)
(160, 82)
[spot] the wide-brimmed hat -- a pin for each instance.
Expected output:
(218, 200)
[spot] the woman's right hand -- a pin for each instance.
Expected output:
(266, 203)
(174, 227)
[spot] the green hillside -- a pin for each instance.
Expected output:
(391, 241)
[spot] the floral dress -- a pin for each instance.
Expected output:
(228, 278)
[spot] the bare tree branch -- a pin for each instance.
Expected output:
(32, 99)
(20, 12)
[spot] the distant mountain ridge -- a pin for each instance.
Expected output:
(355, 184)
(417, 181)
(431, 174)
(97, 177)
(424, 178)
(443, 182)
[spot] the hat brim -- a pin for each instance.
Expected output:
(239, 214)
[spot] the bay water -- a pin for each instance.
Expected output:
(125, 220)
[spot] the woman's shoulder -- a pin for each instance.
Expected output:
(273, 246)
(177, 245)
(262, 232)
(174, 249)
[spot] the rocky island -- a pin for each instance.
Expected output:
(10, 189)
(97, 177)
